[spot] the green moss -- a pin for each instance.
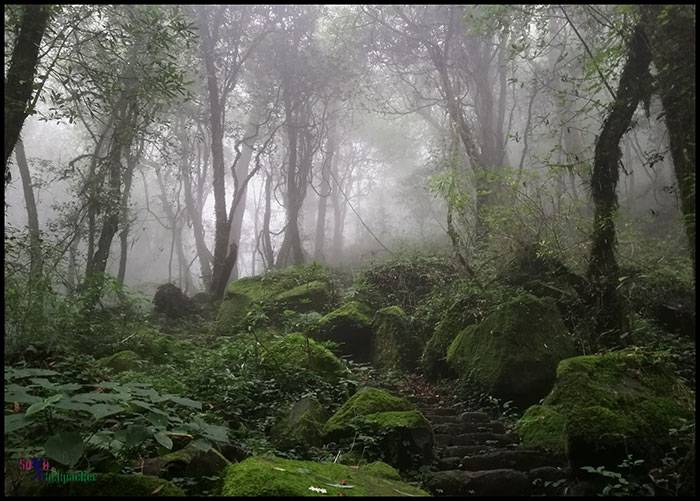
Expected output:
(366, 401)
(615, 403)
(313, 296)
(513, 353)
(380, 469)
(272, 476)
(301, 426)
(232, 313)
(350, 327)
(121, 361)
(302, 351)
(396, 344)
(544, 428)
(397, 419)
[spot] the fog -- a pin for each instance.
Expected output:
(347, 122)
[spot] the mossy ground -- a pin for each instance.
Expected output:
(272, 476)
(121, 361)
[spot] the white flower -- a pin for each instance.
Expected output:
(318, 489)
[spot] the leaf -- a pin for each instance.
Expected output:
(163, 440)
(103, 410)
(156, 419)
(201, 445)
(135, 435)
(341, 486)
(15, 422)
(185, 401)
(65, 447)
(40, 406)
(69, 405)
(22, 373)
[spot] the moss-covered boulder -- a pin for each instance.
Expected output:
(396, 343)
(121, 361)
(299, 350)
(302, 426)
(404, 436)
(603, 407)
(350, 327)
(298, 288)
(104, 484)
(170, 301)
(188, 461)
(513, 353)
(273, 476)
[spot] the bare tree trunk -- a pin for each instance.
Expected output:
(267, 252)
(32, 216)
(131, 162)
(603, 271)
(19, 83)
(324, 193)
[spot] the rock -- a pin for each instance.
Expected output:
(301, 426)
(121, 361)
(312, 296)
(518, 459)
(513, 353)
(548, 473)
(481, 437)
(105, 484)
(272, 476)
(350, 327)
(500, 482)
(396, 344)
(301, 351)
(189, 461)
(297, 288)
(603, 407)
(404, 435)
(434, 358)
(171, 302)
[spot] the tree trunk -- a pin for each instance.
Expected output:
(324, 193)
(267, 252)
(32, 217)
(124, 234)
(20, 77)
(634, 86)
(671, 32)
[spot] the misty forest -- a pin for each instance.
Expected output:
(278, 250)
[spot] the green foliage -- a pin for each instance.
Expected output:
(403, 281)
(76, 424)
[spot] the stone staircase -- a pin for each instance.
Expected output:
(476, 455)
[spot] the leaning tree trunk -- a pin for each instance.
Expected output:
(20, 77)
(32, 217)
(634, 87)
(670, 30)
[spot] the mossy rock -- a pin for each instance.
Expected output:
(603, 407)
(106, 484)
(121, 361)
(302, 426)
(273, 476)
(513, 353)
(404, 436)
(299, 350)
(150, 344)
(188, 461)
(313, 296)
(351, 329)
(396, 344)
(299, 288)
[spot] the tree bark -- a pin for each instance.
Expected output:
(670, 30)
(634, 86)
(320, 239)
(32, 216)
(20, 77)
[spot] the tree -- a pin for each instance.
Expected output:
(603, 272)
(670, 31)
(19, 83)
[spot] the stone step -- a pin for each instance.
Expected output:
(518, 459)
(500, 482)
(549, 473)
(461, 451)
(481, 437)
(441, 411)
(459, 428)
(442, 419)
(474, 416)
